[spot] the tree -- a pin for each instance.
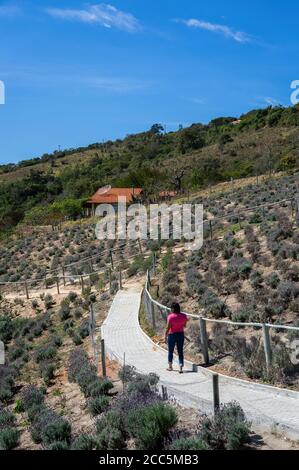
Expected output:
(288, 162)
(191, 138)
(177, 179)
(224, 139)
(69, 208)
(157, 129)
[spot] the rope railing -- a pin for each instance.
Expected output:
(150, 304)
(56, 275)
(214, 320)
(114, 273)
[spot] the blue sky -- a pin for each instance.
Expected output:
(77, 72)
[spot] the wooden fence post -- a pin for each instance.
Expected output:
(110, 279)
(26, 290)
(204, 340)
(292, 208)
(267, 345)
(103, 357)
(211, 230)
(120, 279)
(216, 395)
(57, 284)
(164, 393)
(153, 315)
(82, 283)
(154, 263)
(149, 278)
(92, 331)
(63, 273)
(140, 247)
(111, 259)
(239, 221)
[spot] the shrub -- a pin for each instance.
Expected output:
(286, 290)
(64, 312)
(273, 280)
(256, 279)
(173, 289)
(58, 430)
(7, 382)
(150, 425)
(9, 438)
(35, 410)
(48, 301)
(97, 405)
(85, 442)
(58, 445)
(85, 374)
(138, 383)
(100, 387)
(83, 329)
(255, 218)
(47, 371)
(189, 443)
(213, 305)
(139, 265)
(19, 407)
(78, 312)
(249, 313)
(228, 429)
(31, 395)
(76, 339)
(34, 304)
(6, 328)
(7, 419)
(111, 433)
(72, 296)
(111, 439)
(77, 361)
(46, 352)
(48, 427)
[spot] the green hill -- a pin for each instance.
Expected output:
(258, 142)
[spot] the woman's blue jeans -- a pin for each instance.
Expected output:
(176, 339)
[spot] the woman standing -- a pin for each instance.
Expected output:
(174, 335)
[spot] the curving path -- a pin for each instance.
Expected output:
(267, 407)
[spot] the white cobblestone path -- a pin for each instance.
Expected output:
(267, 407)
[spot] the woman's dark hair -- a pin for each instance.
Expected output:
(175, 307)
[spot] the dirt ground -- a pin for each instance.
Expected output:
(189, 418)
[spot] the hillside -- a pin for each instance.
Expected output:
(248, 271)
(258, 142)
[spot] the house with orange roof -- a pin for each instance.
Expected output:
(108, 195)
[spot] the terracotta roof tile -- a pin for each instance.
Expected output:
(111, 195)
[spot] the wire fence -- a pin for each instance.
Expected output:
(86, 267)
(261, 351)
(87, 277)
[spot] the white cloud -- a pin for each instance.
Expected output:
(197, 100)
(103, 14)
(268, 100)
(226, 31)
(271, 101)
(78, 79)
(118, 85)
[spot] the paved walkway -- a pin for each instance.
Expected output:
(267, 407)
